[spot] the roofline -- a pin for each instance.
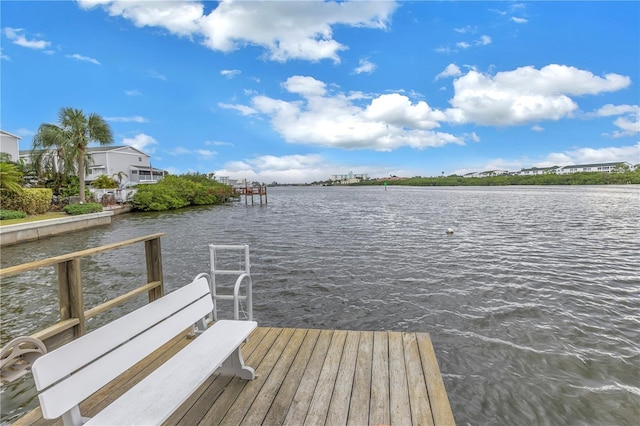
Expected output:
(10, 134)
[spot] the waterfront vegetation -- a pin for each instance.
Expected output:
(174, 192)
(76, 209)
(583, 178)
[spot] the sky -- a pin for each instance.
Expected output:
(297, 91)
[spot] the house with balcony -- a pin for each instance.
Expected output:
(132, 164)
(125, 163)
(9, 145)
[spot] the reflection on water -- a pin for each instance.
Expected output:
(533, 304)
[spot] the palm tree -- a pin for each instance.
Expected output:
(10, 177)
(70, 138)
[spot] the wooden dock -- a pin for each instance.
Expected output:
(307, 377)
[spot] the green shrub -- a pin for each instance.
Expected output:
(104, 182)
(30, 200)
(76, 209)
(11, 214)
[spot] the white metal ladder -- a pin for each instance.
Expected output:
(244, 275)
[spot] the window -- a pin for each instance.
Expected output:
(140, 159)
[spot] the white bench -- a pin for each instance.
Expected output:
(68, 375)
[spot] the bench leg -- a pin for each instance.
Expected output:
(234, 365)
(73, 417)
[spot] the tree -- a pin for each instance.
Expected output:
(70, 138)
(10, 177)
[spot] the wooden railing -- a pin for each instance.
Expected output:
(73, 315)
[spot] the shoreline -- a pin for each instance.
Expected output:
(33, 231)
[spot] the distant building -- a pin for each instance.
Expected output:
(537, 171)
(486, 173)
(597, 167)
(133, 165)
(9, 145)
(348, 178)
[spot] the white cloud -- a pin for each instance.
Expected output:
(242, 109)
(83, 58)
(537, 128)
(519, 20)
(452, 70)
(133, 93)
(24, 132)
(230, 73)
(628, 122)
(287, 30)
(16, 37)
(217, 143)
(181, 18)
(205, 153)
(157, 75)
(463, 45)
(526, 94)
(322, 117)
(365, 66)
(179, 150)
(284, 169)
(3, 56)
(131, 119)
(144, 143)
(483, 40)
(466, 29)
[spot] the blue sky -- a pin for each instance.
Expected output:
(295, 91)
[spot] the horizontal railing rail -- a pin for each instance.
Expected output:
(73, 316)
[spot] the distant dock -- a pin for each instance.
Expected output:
(258, 191)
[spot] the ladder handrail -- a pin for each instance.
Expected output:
(243, 275)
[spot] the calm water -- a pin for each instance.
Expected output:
(533, 304)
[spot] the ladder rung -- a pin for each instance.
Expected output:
(229, 297)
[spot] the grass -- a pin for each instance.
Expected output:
(34, 218)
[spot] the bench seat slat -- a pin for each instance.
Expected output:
(76, 354)
(153, 400)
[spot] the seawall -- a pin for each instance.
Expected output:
(32, 231)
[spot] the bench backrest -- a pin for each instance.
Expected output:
(71, 373)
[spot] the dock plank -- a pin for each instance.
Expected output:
(264, 398)
(341, 398)
(442, 414)
(302, 397)
(319, 408)
(379, 406)
(418, 395)
(280, 405)
(361, 393)
(249, 390)
(399, 408)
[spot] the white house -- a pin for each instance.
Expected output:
(537, 171)
(127, 160)
(9, 145)
(133, 165)
(597, 167)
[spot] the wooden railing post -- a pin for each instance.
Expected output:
(70, 294)
(154, 267)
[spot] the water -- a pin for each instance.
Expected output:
(533, 304)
